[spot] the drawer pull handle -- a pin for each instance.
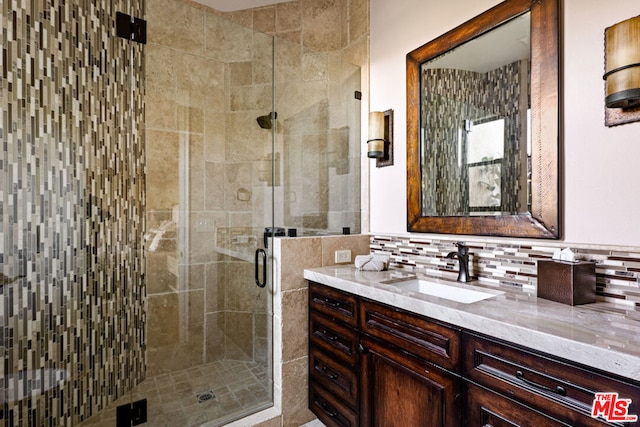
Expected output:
(558, 390)
(326, 409)
(329, 336)
(329, 373)
(332, 303)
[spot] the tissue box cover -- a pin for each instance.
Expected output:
(570, 283)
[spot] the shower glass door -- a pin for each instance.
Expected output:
(209, 180)
(209, 197)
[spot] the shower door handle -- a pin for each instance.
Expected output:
(263, 254)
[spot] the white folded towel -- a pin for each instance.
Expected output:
(372, 262)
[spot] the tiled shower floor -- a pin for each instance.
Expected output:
(172, 399)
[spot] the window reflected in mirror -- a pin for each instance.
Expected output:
(484, 143)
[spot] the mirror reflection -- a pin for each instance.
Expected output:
(475, 147)
(455, 183)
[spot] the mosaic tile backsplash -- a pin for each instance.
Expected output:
(514, 264)
(71, 197)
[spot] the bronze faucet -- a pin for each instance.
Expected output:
(462, 255)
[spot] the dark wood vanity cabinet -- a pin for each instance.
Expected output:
(334, 377)
(410, 369)
(375, 365)
(510, 385)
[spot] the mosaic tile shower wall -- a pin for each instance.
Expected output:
(514, 264)
(72, 198)
(452, 98)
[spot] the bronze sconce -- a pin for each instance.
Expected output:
(622, 72)
(380, 142)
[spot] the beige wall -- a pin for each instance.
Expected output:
(291, 257)
(208, 163)
(320, 25)
(600, 185)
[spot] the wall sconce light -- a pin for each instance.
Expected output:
(622, 69)
(380, 142)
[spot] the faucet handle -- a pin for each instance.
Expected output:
(462, 248)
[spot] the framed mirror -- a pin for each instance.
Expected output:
(483, 126)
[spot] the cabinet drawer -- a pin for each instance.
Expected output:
(333, 303)
(564, 390)
(329, 409)
(334, 338)
(334, 376)
(488, 409)
(424, 338)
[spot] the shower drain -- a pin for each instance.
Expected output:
(205, 396)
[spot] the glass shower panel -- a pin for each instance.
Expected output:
(209, 198)
(318, 136)
(72, 201)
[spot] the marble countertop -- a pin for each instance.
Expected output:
(601, 335)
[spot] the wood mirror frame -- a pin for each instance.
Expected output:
(544, 219)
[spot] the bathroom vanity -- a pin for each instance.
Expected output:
(381, 353)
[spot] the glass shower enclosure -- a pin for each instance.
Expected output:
(209, 182)
(137, 182)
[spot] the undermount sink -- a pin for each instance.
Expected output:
(459, 293)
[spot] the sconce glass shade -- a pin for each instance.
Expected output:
(375, 144)
(622, 64)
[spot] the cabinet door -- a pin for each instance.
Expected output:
(400, 390)
(485, 408)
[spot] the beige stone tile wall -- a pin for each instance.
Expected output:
(321, 25)
(339, 31)
(314, 99)
(291, 257)
(205, 86)
(213, 119)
